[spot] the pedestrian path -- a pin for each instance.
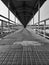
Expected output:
(24, 55)
(38, 37)
(24, 48)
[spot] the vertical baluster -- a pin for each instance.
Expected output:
(1, 27)
(8, 15)
(44, 28)
(15, 20)
(33, 17)
(38, 13)
(36, 28)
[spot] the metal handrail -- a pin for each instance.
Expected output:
(5, 21)
(8, 21)
(42, 21)
(38, 30)
(7, 18)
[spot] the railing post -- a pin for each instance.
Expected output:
(1, 27)
(44, 28)
(8, 16)
(36, 28)
(33, 17)
(12, 26)
(38, 14)
(15, 19)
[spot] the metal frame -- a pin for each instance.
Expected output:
(8, 15)
(44, 28)
(38, 13)
(33, 18)
(2, 27)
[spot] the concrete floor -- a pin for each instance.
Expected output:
(24, 47)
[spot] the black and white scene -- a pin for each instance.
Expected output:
(24, 32)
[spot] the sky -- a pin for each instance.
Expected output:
(44, 13)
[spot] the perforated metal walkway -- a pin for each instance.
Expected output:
(27, 54)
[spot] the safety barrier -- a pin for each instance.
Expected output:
(42, 27)
(7, 25)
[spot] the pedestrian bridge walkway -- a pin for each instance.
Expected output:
(24, 47)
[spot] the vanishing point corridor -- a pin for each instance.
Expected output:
(24, 48)
(23, 39)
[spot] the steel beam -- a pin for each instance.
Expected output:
(33, 18)
(44, 28)
(8, 15)
(38, 14)
(1, 27)
(15, 19)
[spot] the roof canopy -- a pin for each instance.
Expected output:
(23, 9)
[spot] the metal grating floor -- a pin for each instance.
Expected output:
(25, 55)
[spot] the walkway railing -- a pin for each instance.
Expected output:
(6, 23)
(41, 29)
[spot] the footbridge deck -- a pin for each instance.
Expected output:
(24, 47)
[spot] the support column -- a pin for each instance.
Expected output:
(1, 27)
(8, 17)
(15, 19)
(33, 22)
(33, 18)
(44, 28)
(12, 26)
(38, 15)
